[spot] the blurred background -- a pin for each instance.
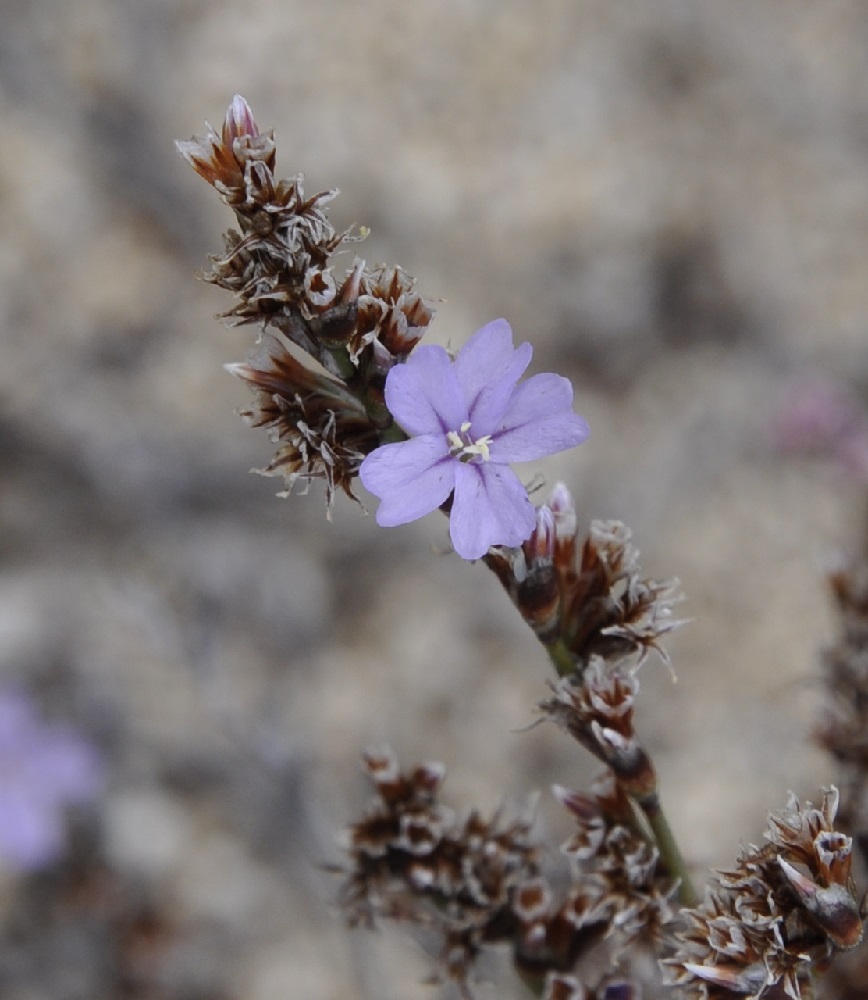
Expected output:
(668, 199)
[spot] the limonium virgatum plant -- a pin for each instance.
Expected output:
(423, 430)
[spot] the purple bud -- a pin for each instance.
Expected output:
(563, 507)
(239, 119)
(540, 546)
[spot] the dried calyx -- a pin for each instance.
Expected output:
(586, 598)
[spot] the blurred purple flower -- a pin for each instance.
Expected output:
(43, 768)
(467, 419)
(823, 418)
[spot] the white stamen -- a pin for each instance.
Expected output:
(464, 448)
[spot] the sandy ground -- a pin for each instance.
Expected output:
(669, 199)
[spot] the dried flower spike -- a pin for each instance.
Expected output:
(787, 908)
(412, 861)
(320, 428)
(844, 728)
(278, 263)
(596, 709)
(610, 850)
(227, 160)
(589, 600)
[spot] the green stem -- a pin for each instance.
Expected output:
(343, 362)
(670, 854)
(560, 655)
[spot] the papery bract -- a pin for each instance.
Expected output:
(467, 420)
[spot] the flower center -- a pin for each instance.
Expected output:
(464, 448)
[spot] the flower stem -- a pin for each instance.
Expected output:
(342, 362)
(670, 854)
(647, 802)
(560, 655)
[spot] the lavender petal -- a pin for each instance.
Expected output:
(539, 422)
(485, 358)
(423, 395)
(411, 478)
(491, 507)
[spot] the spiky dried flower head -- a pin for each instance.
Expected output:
(477, 883)
(611, 609)
(278, 262)
(283, 234)
(617, 901)
(611, 848)
(843, 730)
(391, 313)
(596, 709)
(228, 161)
(591, 596)
(785, 910)
(412, 861)
(321, 429)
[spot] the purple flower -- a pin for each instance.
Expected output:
(43, 768)
(467, 419)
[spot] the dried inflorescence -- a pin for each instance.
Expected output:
(765, 927)
(321, 430)
(414, 862)
(589, 597)
(611, 609)
(478, 883)
(599, 617)
(612, 849)
(617, 901)
(391, 315)
(239, 162)
(596, 709)
(278, 264)
(844, 729)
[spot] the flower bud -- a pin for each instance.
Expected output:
(833, 906)
(538, 595)
(540, 546)
(563, 508)
(239, 120)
